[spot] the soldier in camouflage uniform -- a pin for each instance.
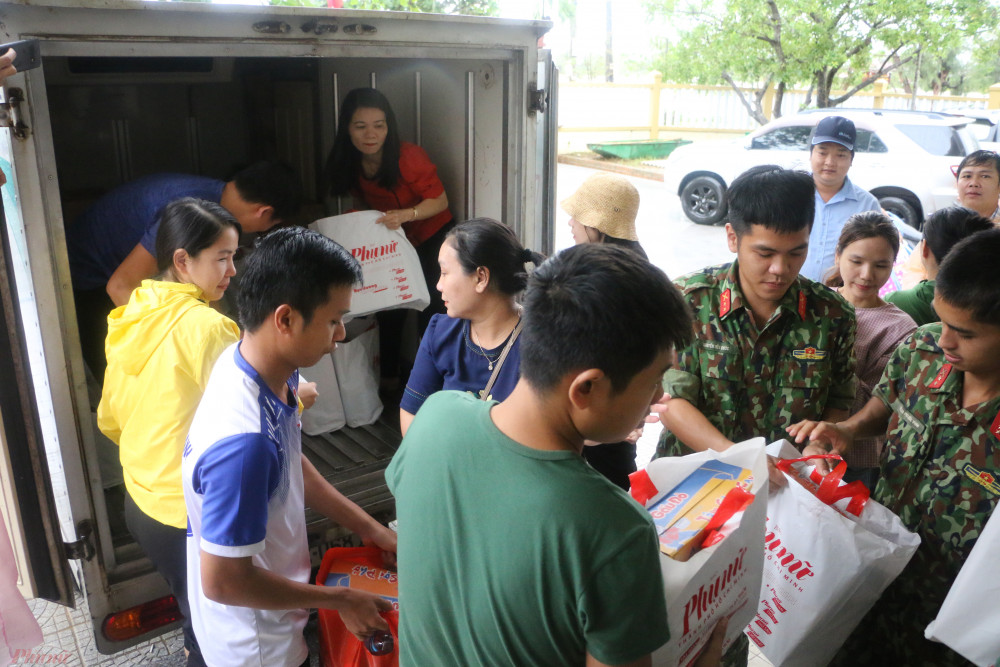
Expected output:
(763, 357)
(770, 347)
(939, 400)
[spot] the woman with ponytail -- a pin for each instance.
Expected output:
(473, 347)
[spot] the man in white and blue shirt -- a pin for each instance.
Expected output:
(246, 482)
(831, 155)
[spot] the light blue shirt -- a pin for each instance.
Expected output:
(829, 220)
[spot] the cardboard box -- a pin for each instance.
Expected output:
(383, 583)
(676, 502)
(685, 535)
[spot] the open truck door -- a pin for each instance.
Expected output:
(28, 501)
(132, 88)
(49, 471)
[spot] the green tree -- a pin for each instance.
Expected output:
(825, 44)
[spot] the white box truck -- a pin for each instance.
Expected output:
(130, 88)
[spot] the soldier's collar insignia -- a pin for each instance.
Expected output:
(725, 302)
(983, 478)
(995, 428)
(939, 379)
(809, 354)
(802, 305)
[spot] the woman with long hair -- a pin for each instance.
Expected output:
(369, 162)
(161, 347)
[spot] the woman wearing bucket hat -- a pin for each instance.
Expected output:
(603, 210)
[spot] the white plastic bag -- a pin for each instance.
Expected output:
(392, 274)
(718, 581)
(347, 381)
(969, 619)
(327, 413)
(823, 570)
(356, 363)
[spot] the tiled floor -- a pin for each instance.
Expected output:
(68, 640)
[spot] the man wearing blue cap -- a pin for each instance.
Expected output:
(837, 199)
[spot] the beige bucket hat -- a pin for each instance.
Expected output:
(606, 202)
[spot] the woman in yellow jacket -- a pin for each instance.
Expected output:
(161, 347)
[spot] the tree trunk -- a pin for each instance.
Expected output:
(779, 94)
(754, 107)
(822, 89)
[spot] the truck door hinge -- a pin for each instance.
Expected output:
(82, 548)
(537, 99)
(11, 115)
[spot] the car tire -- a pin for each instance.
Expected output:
(906, 211)
(704, 200)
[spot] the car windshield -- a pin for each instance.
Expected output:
(938, 139)
(794, 138)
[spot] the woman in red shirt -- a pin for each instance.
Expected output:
(382, 173)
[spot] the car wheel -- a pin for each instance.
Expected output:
(704, 200)
(906, 211)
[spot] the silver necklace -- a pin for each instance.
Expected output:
(489, 360)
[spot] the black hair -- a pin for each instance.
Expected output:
(483, 242)
(781, 200)
(977, 158)
(294, 266)
(598, 306)
(634, 246)
(966, 279)
(945, 228)
(191, 224)
(273, 184)
(859, 227)
(344, 163)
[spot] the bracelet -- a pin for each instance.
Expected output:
(414, 212)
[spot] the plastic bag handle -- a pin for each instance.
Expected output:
(830, 489)
(737, 500)
(641, 487)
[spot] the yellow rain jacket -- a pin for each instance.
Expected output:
(161, 347)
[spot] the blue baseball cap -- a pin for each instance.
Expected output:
(837, 129)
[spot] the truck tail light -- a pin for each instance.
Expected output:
(135, 621)
(954, 170)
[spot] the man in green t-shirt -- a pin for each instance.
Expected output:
(941, 232)
(512, 550)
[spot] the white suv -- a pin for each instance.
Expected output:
(905, 158)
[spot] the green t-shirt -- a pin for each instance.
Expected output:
(916, 302)
(513, 556)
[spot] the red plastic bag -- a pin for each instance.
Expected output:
(360, 568)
